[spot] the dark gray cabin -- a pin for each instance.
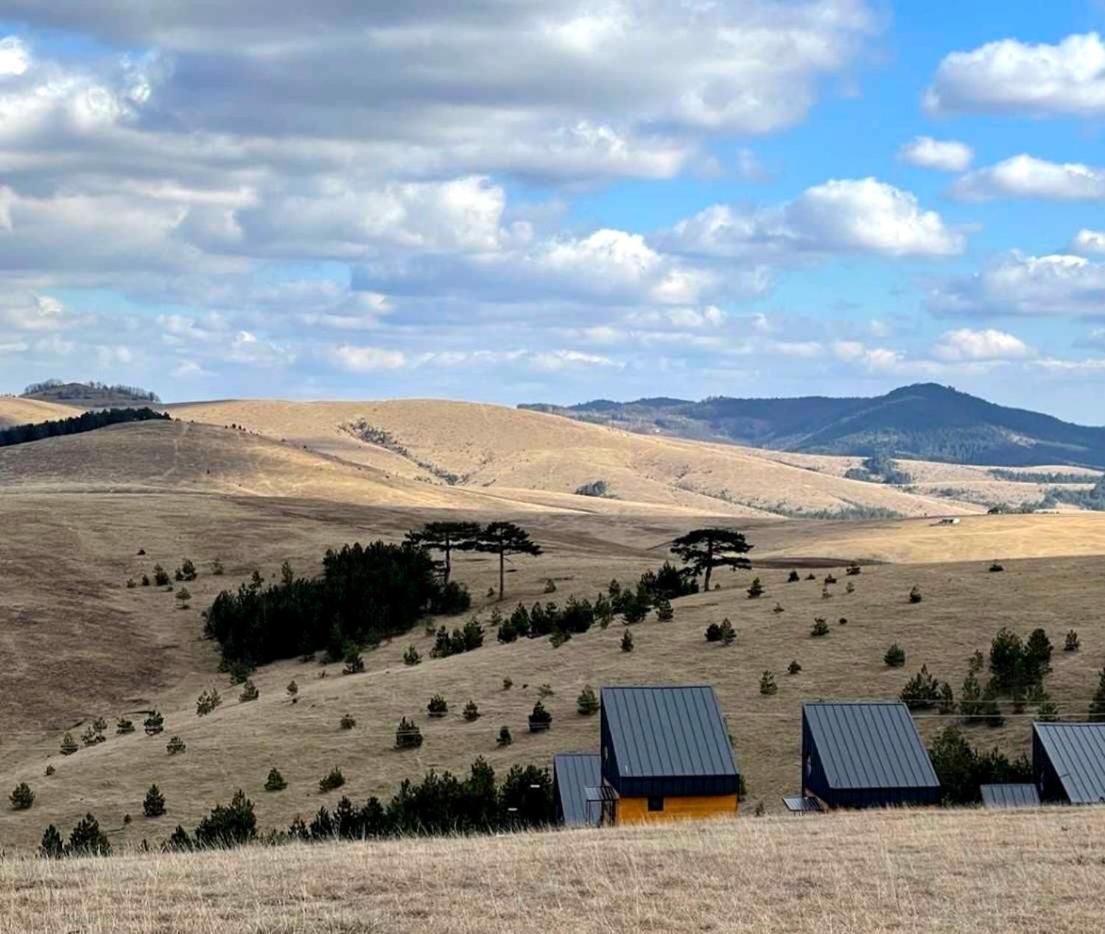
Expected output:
(1068, 762)
(576, 776)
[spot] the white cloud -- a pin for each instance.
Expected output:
(1024, 176)
(366, 359)
(841, 215)
(1019, 285)
(14, 57)
(944, 155)
(1088, 242)
(1010, 76)
(989, 344)
(32, 312)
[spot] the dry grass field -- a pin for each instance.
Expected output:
(868, 873)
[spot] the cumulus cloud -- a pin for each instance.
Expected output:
(366, 359)
(1024, 176)
(14, 57)
(989, 344)
(1010, 76)
(1089, 242)
(944, 155)
(1019, 285)
(839, 216)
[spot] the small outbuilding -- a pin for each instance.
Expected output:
(665, 755)
(1010, 796)
(862, 755)
(576, 778)
(1068, 762)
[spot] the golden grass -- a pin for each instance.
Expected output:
(16, 411)
(956, 871)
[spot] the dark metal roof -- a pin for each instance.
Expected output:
(1010, 796)
(801, 804)
(576, 772)
(668, 732)
(869, 745)
(1077, 753)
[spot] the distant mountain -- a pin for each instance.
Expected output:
(91, 393)
(925, 421)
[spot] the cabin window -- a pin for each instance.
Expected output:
(655, 803)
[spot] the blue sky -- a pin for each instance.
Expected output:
(516, 201)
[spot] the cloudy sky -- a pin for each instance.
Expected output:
(556, 200)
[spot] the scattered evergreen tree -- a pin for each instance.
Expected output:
(970, 696)
(728, 633)
(154, 723)
(154, 803)
(1037, 656)
(505, 539)
(207, 702)
(962, 769)
(86, 839)
(540, 719)
(145, 580)
(124, 726)
(996, 568)
(183, 597)
(407, 735)
(829, 579)
(1097, 704)
(471, 711)
(1019, 699)
(446, 537)
(228, 825)
(331, 781)
(1047, 711)
(437, 706)
(627, 641)
(767, 684)
(179, 841)
(793, 577)
(131, 583)
(347, 722)
(1071, 643)
(702, 550)
(21, 797)
(186, 571)
(175, 745)
(664, 612)
(895, 656)
(217, 568)
(249, 692)
(50, 770)
(915, 594)
(853, 569)
(756, 589)
(922, 691)
(793, 668)
(947, 699)
(976, 663)
(52, 846)
(1007, 660)
(275, 781)
(354, 663)
(411, 656)
(508, 683)
(68, 745)
(820, 627)
(713, 633)
(94, 734)
(849, 587)
(588, 702)
(292, 689)
(990, 710)
(504, 738)
(160, 576)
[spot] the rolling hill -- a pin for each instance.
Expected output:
(925, 422)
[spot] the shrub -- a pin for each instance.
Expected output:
(922, 691)
(21, 797)
(1071, 643)
(767, 684)
(124, 726)
(50, 770)
(504, 738)
(962, 769)
(175, 745)
(145, 580)
(160, 576)
(153, 805)
(508, 683)
(186, 571)
(217, 568)
(331, 781)
(68, 745)
(713, 633)
(829, 579)
(627, 641)
(793, 668)
(915, 594)
(550, 586)
(853, 569)
(437, 706)
(292, 689)
(756, 589)
(820, 627)
(540, 719)
(249, 692)
(131, 583)
(407, 735)
(228, 825)
(207, 702)
(996, 568)
(664, 612)
(411, 656)
(895, 656)
(793, 577)
(86, 839)
(347, 722)
(545, 690)
(471, 711)
(558, 638)
(588, 702)
(849, 587)
(778, 608)
(275, 781)
(354, 663)
(154, 723)
(811, 576)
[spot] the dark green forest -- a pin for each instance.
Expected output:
(88, 421)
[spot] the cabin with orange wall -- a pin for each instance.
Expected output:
(665, 755)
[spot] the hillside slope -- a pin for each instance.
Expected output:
(924, 421)
(17, 411)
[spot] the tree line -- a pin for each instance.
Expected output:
(87, 421)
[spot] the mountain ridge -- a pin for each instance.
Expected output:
(922, 421)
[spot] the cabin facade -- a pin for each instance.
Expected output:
(1068, 762)
(665, 755)
(863, 755)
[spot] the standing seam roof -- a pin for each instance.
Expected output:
(1077, 753)
(1010, 796)
(667, 731)
(575, 773)
(869, 745)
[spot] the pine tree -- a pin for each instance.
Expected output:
(123, 726)
(820, 627)
(333, 780)
(793, 668)
(411, 656)
(154, 723)
(154, 803)
(915, 594)
(347, 722)
(275, 781)
(175, 745)
(990, 709)
(1071, 643)
(86, 839)
(756, 589)
(438, 706)
(354, 663)
(540, 719)
(52, 846)
(947, 699)
(793, 577)
(1097, 705)
(68, 745)
(1047, 710)
(505, 539)
(249, 692)
(705, 549)
(446, 537)
(207, 702)
(471, 711)
(21, 797)
(407, 735)
(292, 689)
(588, 702)
(895, 656)
(970, 696)
(664, 612)
(504, 738)
(627, 641)
(767, 684)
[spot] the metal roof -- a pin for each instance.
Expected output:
(668, 732)
(869, 745)
(1077, 753)
(575, 773)
(1010, 796)
(801, 804)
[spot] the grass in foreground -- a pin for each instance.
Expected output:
(880, 871)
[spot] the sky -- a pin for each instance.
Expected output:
(555, 200)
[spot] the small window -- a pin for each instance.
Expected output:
(655, 803)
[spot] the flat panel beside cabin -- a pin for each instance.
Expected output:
(1068, 762)
(666, 755)
(864, 755)
(574, 774)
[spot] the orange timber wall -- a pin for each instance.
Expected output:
(635, 810)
